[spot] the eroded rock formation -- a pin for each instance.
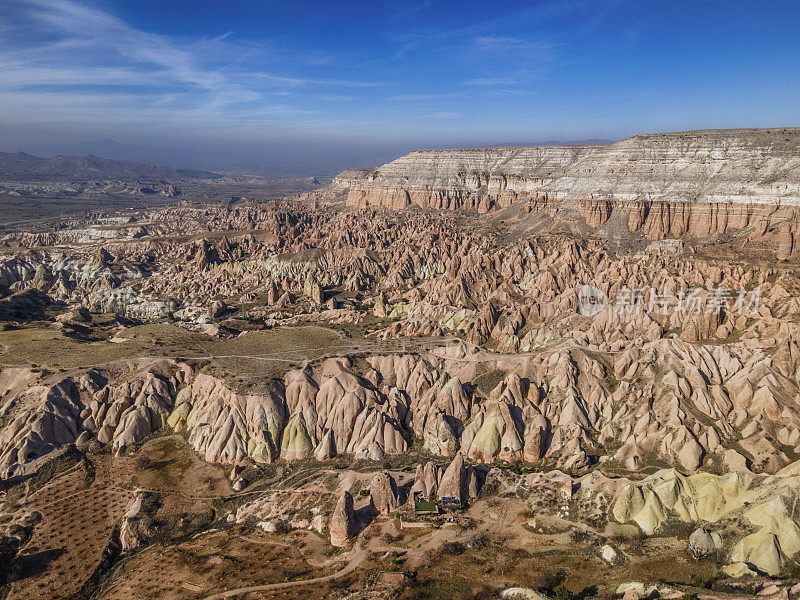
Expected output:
(695, 183)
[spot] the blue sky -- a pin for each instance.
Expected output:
(262, 84)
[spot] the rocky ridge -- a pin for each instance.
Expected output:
(474, 178)
(695, 183)
(462, 351)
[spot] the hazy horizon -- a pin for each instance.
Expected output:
(259, 88)
(298, 161)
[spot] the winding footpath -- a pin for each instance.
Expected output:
(355, 561)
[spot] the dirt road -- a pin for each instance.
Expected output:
(355, 561)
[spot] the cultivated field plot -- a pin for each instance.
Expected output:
(79, 513)
(78, 517)
(216, 562)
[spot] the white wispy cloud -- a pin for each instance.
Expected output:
(490, 81)
(74, 59)
(425, 97)
(445, 114)
(311, 81)
(493, 29)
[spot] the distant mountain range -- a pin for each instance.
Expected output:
(20, 165)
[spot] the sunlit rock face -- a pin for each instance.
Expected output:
(475, 178)
(694, 183)
(597, 340)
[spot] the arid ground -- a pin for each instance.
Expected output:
(561, 372)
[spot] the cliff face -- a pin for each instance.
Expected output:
(473, 178)
(668, 185)
(756, 166)
(691, 183)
